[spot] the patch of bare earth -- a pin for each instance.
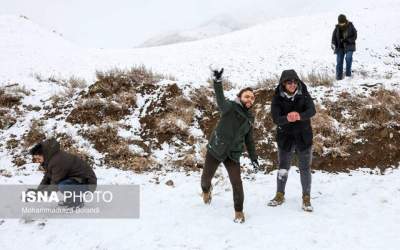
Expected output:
(116, 149)
(350, 133)
(371, 136)
(9, 109)
(109, 100)
(264, 129)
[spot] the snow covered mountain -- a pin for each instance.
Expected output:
(266, 49)
(217, 26)
(155, 128)
(27, 48)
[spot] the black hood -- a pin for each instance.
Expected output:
(290, 74)
(50, 147)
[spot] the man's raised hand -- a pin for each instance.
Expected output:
(217, 74)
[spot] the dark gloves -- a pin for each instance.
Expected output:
(256, 166)
(217, 75)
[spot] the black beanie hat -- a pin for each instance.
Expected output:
(36, 150)
(342, 18)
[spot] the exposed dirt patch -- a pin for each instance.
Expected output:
(9, 109)
(9, 100)
(34, 135)
(12, 143)
(208, 110)
(370, 137)
(168, 114)
(349, 133)
(112, 96)
(264, 132)
(59, 106)
(97, 111)
(7, 119)
(380, 148)
(19, 161)
(116, 81)
(188, 162)
(116, 149)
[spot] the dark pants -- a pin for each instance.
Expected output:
(71, 185)
(285, 159)
(233, 169)
(342, 55)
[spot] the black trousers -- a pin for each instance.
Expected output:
(233, 169)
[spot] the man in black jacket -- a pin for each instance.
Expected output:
(344, 44)
(291, 108)
(63, 171)
(233, 131)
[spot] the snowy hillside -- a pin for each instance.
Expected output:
(249, 55)
(217, 26)
(27, 48)
(269, 48)
(143, 116)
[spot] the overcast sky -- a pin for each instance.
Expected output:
(127, 23)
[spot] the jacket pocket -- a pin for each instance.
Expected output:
(307, 137)
(281, 135)
(217, 144)
(238, 147)
(236, 155)
(284, 138)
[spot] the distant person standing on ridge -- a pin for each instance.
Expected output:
(344, 44)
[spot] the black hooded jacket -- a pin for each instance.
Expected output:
(60, 165)
(299, 132)
(345, 38)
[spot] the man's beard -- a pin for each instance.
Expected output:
(245, 106)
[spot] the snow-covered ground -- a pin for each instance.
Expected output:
(352, 211)
(301, 42)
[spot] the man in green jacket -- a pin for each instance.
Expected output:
(233, 131)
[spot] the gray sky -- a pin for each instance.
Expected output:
(126, 23)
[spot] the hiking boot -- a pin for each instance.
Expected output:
(307, 203)
(239, 217)
(70, 204)
(207, 196)
(277, 200)
(64, 203)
